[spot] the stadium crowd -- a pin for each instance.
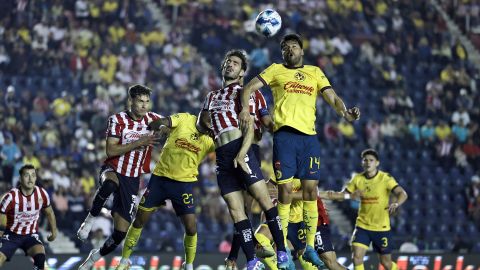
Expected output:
(65, 67)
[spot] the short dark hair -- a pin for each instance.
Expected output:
(293, 37)
(369, 151)
(238, 53)
(138, 90)
(25, 167)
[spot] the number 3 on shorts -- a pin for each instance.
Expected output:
(385, 242)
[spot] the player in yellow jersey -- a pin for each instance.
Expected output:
(376, 206)
(173, 178)
(296, 229)
(296, 148)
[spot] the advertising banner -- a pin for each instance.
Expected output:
(172, 261)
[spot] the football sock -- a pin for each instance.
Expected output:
(236, 242)
(310, 217)
(131, 241)
(358, 267)
(246, 236)
(107, 188)
(190, 246)
(275, 227)
(284, 214)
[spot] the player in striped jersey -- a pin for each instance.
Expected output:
(262, 120)
(19, 213)
(129, 146)
(237, 167)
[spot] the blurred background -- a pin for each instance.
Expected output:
(411, 66)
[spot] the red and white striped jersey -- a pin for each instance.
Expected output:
(128, 130)
(23, 211)
(224, 107)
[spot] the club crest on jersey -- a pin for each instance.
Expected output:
(299, 76)
(194, 137)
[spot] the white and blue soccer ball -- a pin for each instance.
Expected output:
(268, 22)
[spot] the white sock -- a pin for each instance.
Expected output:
(188, 266)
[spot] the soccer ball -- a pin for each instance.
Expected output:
(268, 22)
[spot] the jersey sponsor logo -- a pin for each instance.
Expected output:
(370, 200)
(300, 76)
(222, 105)
(298, 88)
(26, 216)
(131, 136)
(183, 143)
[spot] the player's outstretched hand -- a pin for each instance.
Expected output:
(392, 208)
(244, 119)
(240, 161)
(357, 194)
(149, 140)
(52, 236)
(353, 114)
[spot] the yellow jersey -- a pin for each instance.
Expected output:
(295, 93)
(373, 213)
(184, 149)
(296, 208)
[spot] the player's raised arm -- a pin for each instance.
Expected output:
(338, 105)
(400, 196)
(340, 196)
(52, 223)
(252, 86)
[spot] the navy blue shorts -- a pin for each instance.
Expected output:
(256, 152)
(295, 155)
(297, 235)
(231, 179)
(11, 241)
(380, 240)
(125, 197)
(323, 243)
(162, 188)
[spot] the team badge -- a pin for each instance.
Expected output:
(194, 137)
(299, 76)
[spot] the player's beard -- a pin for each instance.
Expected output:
(292, 60)
(230, 76)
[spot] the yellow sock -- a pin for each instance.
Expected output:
(130, 241)
(284, 214)
(263, 240)
(270, 262)
(310, 217)
(190, 246)
(306, 265)
(394, 266)
(358, 267)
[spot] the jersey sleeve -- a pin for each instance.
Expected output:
(45, 197)
(114, 128)
(268, 75)
(352, 185)
(391, 183)
(261, 104)
(206, 102)
(6, 203)
(322, 81)
(176, 119)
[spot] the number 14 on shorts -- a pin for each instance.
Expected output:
(314, 163)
